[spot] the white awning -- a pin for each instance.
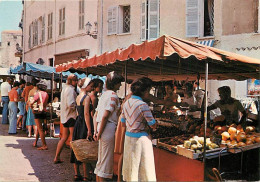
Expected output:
(207, 42)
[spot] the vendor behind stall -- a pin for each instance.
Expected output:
(229, 108)
(170, 94)
(190, 99)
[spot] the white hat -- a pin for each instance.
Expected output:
(86, 82)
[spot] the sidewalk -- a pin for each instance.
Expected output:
(20, 161)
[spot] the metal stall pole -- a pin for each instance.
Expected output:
(51, 109)
(125, 76)
(205, 115)
(60, 82)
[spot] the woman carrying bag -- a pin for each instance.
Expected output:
(41, 97)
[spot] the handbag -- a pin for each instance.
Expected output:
(38, 108)
(85, 150)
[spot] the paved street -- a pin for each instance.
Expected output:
(20, 161)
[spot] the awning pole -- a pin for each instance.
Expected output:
(205, 115)
(51, 109)
(61, 81)
(125, 76)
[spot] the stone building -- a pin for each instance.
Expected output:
(10, 40)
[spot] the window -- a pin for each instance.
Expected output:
(30, 35)
(8, 44)
(81, 14)
(50, 18)
(62, 21)
(149, 19)
(199, 18)
(112, 20)
(124, 19)
(43, 30)
(35, 33)
(51, 62)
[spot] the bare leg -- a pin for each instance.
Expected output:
(76, 169)
(36, 137)
(61, 143)
(42, 134)
(29, 130)
(19, 121)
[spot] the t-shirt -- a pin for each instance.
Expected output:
(44, 96)
(230, 111)
(26, 91)
(13, 94)
(137, 115)
(108, 101)
(5, 88)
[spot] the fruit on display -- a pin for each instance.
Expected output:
(176, 140)
(232, 130)
(257, 139)
(225, 136)
(233, 137)
(241, 137)
(241, 144)
(250, 129)
(196, 143)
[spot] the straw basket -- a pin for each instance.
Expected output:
(85, 150)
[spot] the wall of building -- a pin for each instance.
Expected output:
(112, 42)
(73, 39)
(8, 48)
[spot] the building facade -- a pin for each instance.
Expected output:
(231, 25)
(10, 40)
(55, 32)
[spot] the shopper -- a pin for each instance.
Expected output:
(41, 98)
(12, 106)
(68, 113)
(105, 119)
(21, 105)
(83, 128)
(5, 89)
(229, 108)
(138, 159)
(30, 120)
(25, 93)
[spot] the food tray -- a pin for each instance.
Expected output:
(187, 152)
(245, 148)
(181, 150)
(171, 148)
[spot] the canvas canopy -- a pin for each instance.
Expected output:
(168, 58)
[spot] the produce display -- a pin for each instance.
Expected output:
(164, 131)
(196, 144)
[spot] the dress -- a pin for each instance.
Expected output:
(80, 128)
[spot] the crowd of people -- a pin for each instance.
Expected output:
(96, 114)
(18, 98)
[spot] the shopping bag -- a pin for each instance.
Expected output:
(85, 150)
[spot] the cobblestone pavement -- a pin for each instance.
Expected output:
(20, 161)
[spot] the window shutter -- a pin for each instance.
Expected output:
(153, 21)
(192, 18)
(30, 35)
(112, 20)
(143, 20)
(43, 28)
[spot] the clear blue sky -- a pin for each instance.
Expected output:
(10, 14)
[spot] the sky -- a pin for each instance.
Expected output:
(10, 14)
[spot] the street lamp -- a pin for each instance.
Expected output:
(88, 29)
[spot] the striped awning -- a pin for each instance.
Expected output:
(209, 43)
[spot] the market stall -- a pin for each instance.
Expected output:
(169, 58)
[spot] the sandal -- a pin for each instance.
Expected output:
(87, 179)
(78, 178)
(43, 148)
(57, 161)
